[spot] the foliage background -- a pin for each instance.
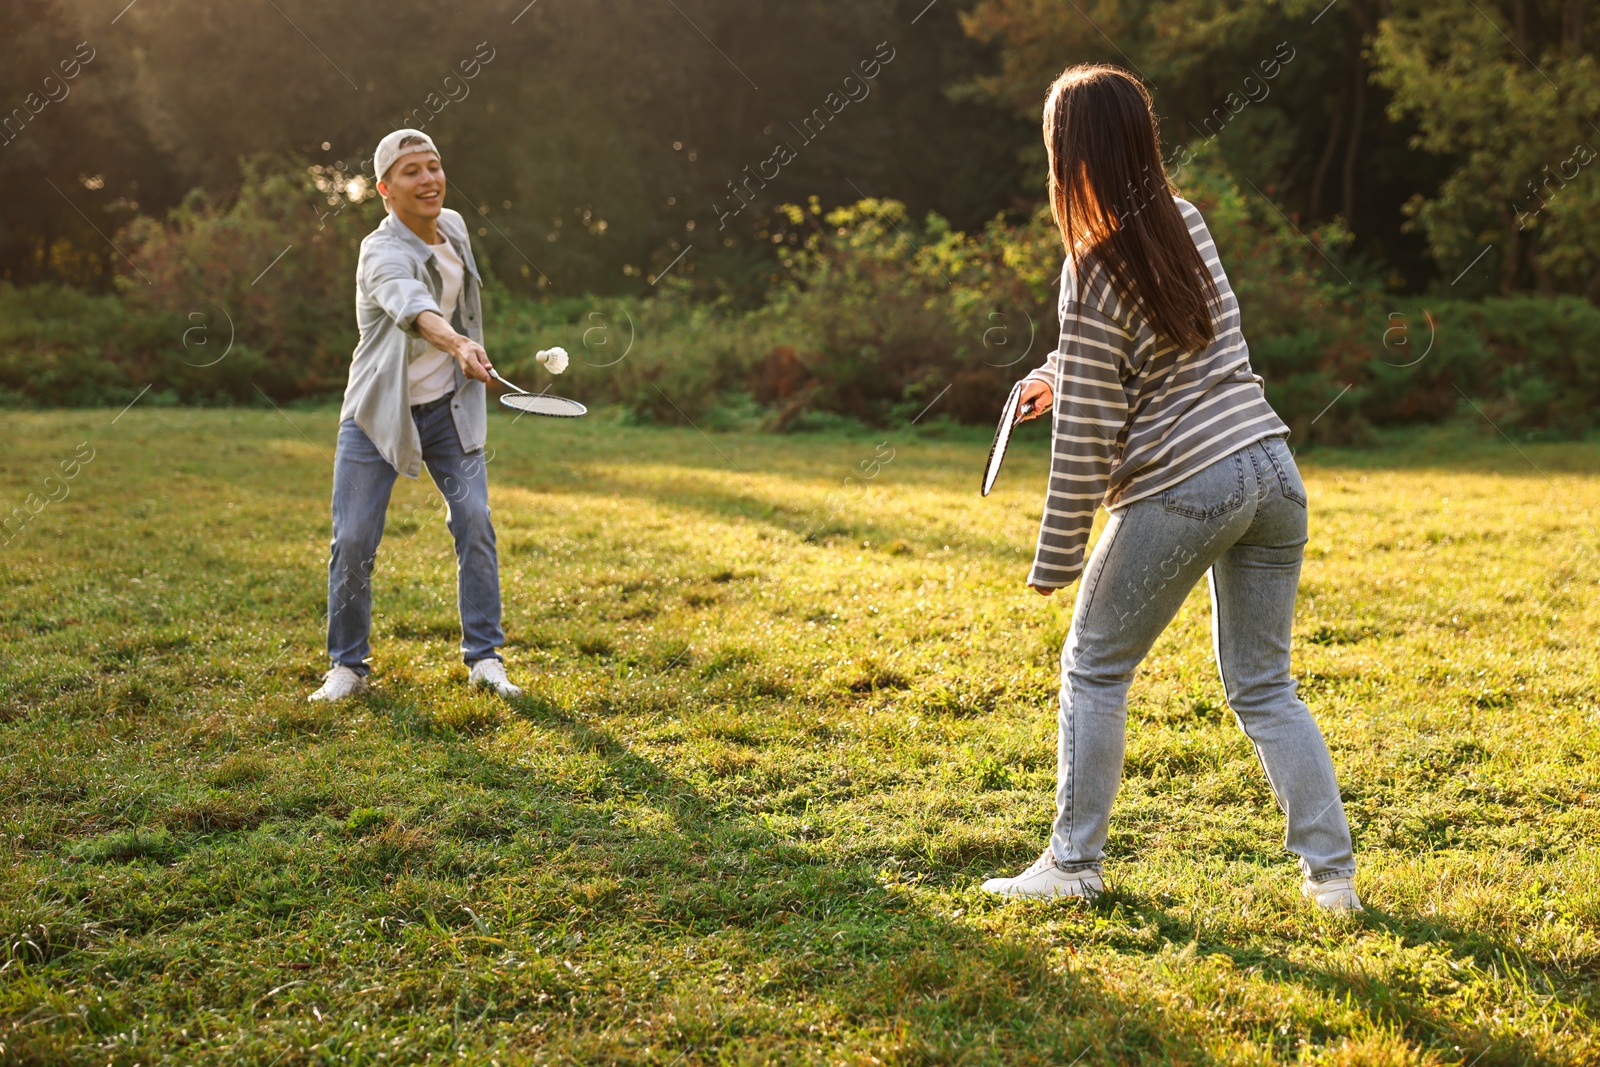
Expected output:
(1402, 193)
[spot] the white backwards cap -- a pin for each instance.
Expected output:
(389, 150)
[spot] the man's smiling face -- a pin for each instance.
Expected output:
(415, 186)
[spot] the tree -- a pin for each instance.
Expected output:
(74, 159)
(1282, 86)
(1512, 101)
(592, 143)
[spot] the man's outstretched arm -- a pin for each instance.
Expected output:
(438, 332)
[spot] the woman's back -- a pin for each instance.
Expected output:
(1185, 410)
(1134, 413)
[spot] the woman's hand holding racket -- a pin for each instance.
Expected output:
(1036, 399)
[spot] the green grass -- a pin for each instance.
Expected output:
(742, 814)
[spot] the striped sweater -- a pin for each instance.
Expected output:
(1134, 414)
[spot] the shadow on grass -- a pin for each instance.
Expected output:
(815, 954)
(932, 989)
(905, 984)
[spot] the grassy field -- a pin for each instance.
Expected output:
(743, 812)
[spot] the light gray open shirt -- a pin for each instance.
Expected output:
(397, 280)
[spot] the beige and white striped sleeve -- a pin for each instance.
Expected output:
(1090, 411)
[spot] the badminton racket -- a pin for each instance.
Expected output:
(1009, 417)
(556, 407)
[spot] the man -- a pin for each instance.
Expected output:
(416, 396)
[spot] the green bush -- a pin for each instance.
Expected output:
(872, 318)
(1529, 363)
(886, 313)
(1307, 322)
(882, 317)
(255, 294)
(216, 304)
(667, 358)
(59, 345)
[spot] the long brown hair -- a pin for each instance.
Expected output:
(1111, 199)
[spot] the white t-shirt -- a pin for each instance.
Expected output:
(433, 374)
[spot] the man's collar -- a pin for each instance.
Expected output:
(391, 222)
(396, 228)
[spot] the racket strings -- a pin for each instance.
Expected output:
(544, 404)
(1002, 438)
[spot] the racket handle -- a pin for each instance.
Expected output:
(1026, 409)
(496, 376)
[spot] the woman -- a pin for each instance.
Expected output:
(1158, 416)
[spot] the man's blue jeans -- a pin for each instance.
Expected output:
(1241, 520)
(362, 482)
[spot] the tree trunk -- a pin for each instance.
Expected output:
(1544, 281)
(1315, 208)
(1357, 116)
(1592, 291)
(1513, 256)
(1519, 24)
(1572, 19)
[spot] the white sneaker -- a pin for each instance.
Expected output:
(1045, 879)
(491, 674)
(1336, 894)
(339, 683)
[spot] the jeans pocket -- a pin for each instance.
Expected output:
(1215, 490)
(1277, 450)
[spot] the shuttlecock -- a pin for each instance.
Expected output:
(554, 359)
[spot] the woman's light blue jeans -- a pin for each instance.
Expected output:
(362, 482)
(1242, 521)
